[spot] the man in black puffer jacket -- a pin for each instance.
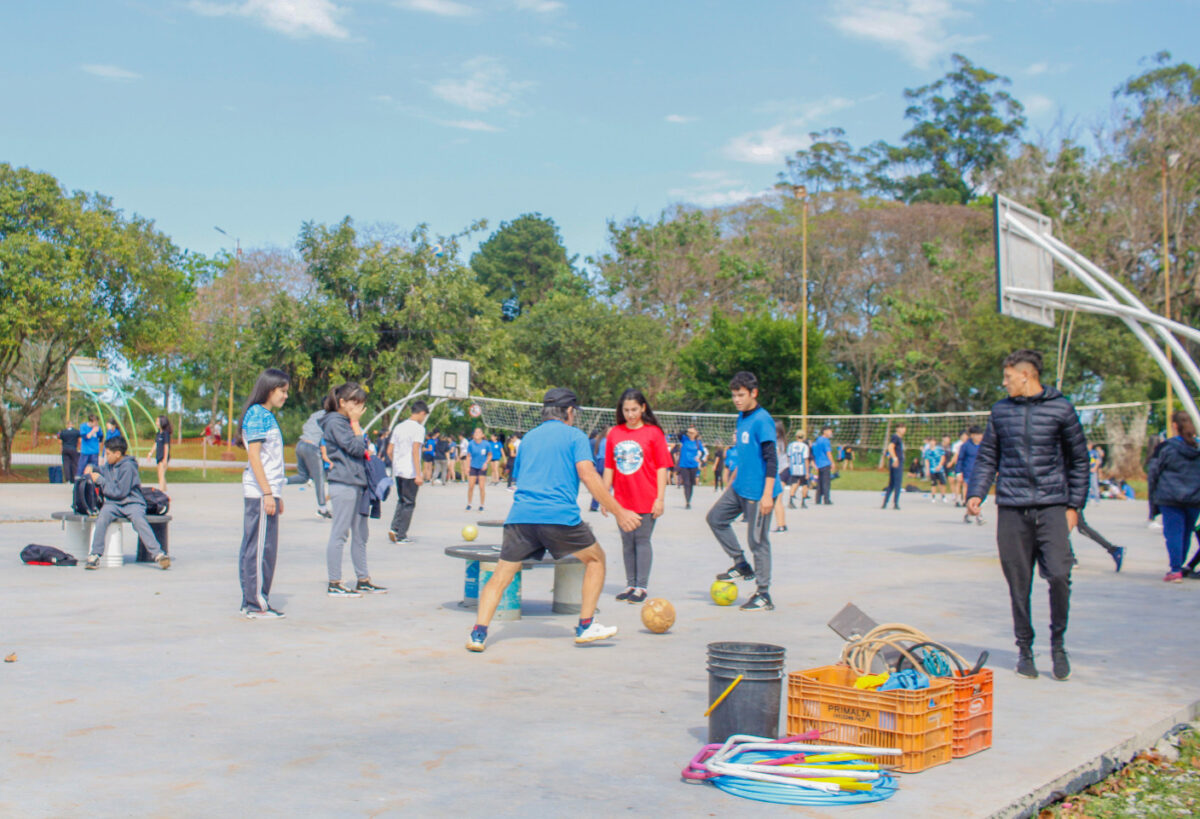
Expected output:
(1035, 442)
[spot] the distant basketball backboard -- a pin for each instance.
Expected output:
(1022, 263)
(449, 378)
(87, 374)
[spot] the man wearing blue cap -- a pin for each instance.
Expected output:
(553, 459)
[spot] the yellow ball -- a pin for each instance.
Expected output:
(469, 532)
(658, 615)
(723, 592)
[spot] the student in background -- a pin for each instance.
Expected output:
(405, 451)
(895, 465)
(70, 451)
(347, 448)
(310, 461)
(822, 459)
(89, 445)
(262, 488)
(162, 450)
(479, 455)
(691, 461)
(497, 457)
(111, 430)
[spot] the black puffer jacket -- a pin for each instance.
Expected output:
(1038, 447)
(1175, 474)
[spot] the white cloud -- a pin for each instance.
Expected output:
(1037, 68)
(1038, 104)
(111, 72)
(486, 85)
(540, 6)
(469, 125)
(295, 18)
(713, 189)
(766, 147)
(678, 119)
(442, 8)
(915, 28)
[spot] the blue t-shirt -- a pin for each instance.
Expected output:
(934, 456)
(821, 449)
(478, 452)
(690, 452)
(88, 446)
(753, 430)
(429, 448)
(966, 457)
(546, 476)
(598, 456)
(112, 433)
(731, 458)
(497, 450)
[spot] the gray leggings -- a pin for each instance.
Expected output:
(309, 465)
(344, 499)
(638, 553)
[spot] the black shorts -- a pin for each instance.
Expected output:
(936, 478)
(794, 479)
(531, 541)
(478, 471)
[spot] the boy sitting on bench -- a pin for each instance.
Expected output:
(123, 500)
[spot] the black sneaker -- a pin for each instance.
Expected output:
(779, 529)
(738, 571)
(1062, 665)
(1025, 665)
(263, 614)
(761, 601)
(93, 562)
(638, 596)
(325, 513)
(404, 541)
(339, 590)
(791, 503)
(625, 594)
(367, 587)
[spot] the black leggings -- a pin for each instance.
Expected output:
(687, 476)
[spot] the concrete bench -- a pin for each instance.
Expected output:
(79, 530)
(481, 563)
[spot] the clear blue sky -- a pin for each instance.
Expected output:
(257, 115)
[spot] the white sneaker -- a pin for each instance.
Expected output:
(594, 632)
(1154, 524)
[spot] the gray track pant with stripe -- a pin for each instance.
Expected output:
(720, 519)
(256, 562)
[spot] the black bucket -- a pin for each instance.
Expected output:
(753, 706)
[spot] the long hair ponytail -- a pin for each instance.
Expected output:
(350, 391)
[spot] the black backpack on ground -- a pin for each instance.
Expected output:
(85, 497)
(157, 502)
(39, 555)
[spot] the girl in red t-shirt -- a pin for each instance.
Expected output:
(635, 471)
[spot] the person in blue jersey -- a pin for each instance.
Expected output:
(966, 462)
(497, 456)
(822, 457)
(554, 458)
(752, 492)
(262, 491)
(691, 460)
(89, 446)
(935, 462)
(597, 441)
(895, 465)
(731, 464)
(479, 455)
(798, 462)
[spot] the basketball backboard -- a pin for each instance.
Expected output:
(449, 378)
(1020, 262)
(87, 374)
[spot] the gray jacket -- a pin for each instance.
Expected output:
(310, 433)
(120, 483)
(345, 449)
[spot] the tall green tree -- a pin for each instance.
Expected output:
(76, 277)
(595, 349)
(524, 261)
(771, 349)
(379, 309)
(964, 124)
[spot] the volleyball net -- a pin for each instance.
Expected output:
(1114, 425)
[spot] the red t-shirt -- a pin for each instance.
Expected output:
(635, 456)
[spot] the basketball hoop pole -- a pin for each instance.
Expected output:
(399, 405)
(1131, 313)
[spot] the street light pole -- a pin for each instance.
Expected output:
(801, 193)
(233, 341)
(1168, 160)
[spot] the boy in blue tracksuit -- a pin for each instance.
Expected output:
(691, 458)
(752, 493)
(89, 446)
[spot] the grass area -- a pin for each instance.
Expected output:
(1150, 786)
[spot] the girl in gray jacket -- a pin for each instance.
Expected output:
(347, 448)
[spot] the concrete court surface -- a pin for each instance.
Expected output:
(141, 692)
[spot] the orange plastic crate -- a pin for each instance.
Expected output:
(972, 713)
(918, 723)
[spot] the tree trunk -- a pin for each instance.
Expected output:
(5, 441)
(37, 423)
